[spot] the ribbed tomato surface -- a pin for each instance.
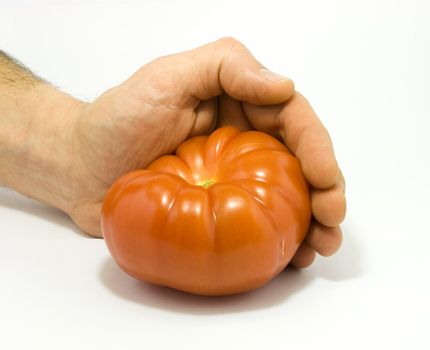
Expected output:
(224, 215)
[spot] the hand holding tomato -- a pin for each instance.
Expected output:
(179, 96)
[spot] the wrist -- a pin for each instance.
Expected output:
(36, 126)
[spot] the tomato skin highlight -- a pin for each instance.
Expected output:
(224, 215)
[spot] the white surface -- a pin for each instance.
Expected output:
(365, 67)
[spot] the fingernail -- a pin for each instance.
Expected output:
(273, 76)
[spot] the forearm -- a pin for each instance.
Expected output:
(35, 130)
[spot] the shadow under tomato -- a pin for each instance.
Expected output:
(276, 291)
(344, 265)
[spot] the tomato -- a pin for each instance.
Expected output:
(224, 215)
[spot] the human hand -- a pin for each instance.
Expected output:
(178, 96)
(67, 154)
(154, 111)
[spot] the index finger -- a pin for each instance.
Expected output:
(309, 141)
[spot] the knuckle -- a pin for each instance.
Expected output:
(229, 43)
(160, 61)
(228, 40)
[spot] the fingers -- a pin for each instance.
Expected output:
(304, 256)
(205, 118)
(225, 65)
(325, 240)
(231, 113)
(329, 206)
(264, 118)
(308, 139)
(304, 135)
(322, 240)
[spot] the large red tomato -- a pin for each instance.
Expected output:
(222, 216)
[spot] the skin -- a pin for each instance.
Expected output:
(67, 153)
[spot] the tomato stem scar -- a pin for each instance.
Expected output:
(206, 183)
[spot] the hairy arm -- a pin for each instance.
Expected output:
(35, 128)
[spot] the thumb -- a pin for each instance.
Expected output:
(223, 66)
(226, 65)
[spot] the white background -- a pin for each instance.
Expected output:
(364, 65)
